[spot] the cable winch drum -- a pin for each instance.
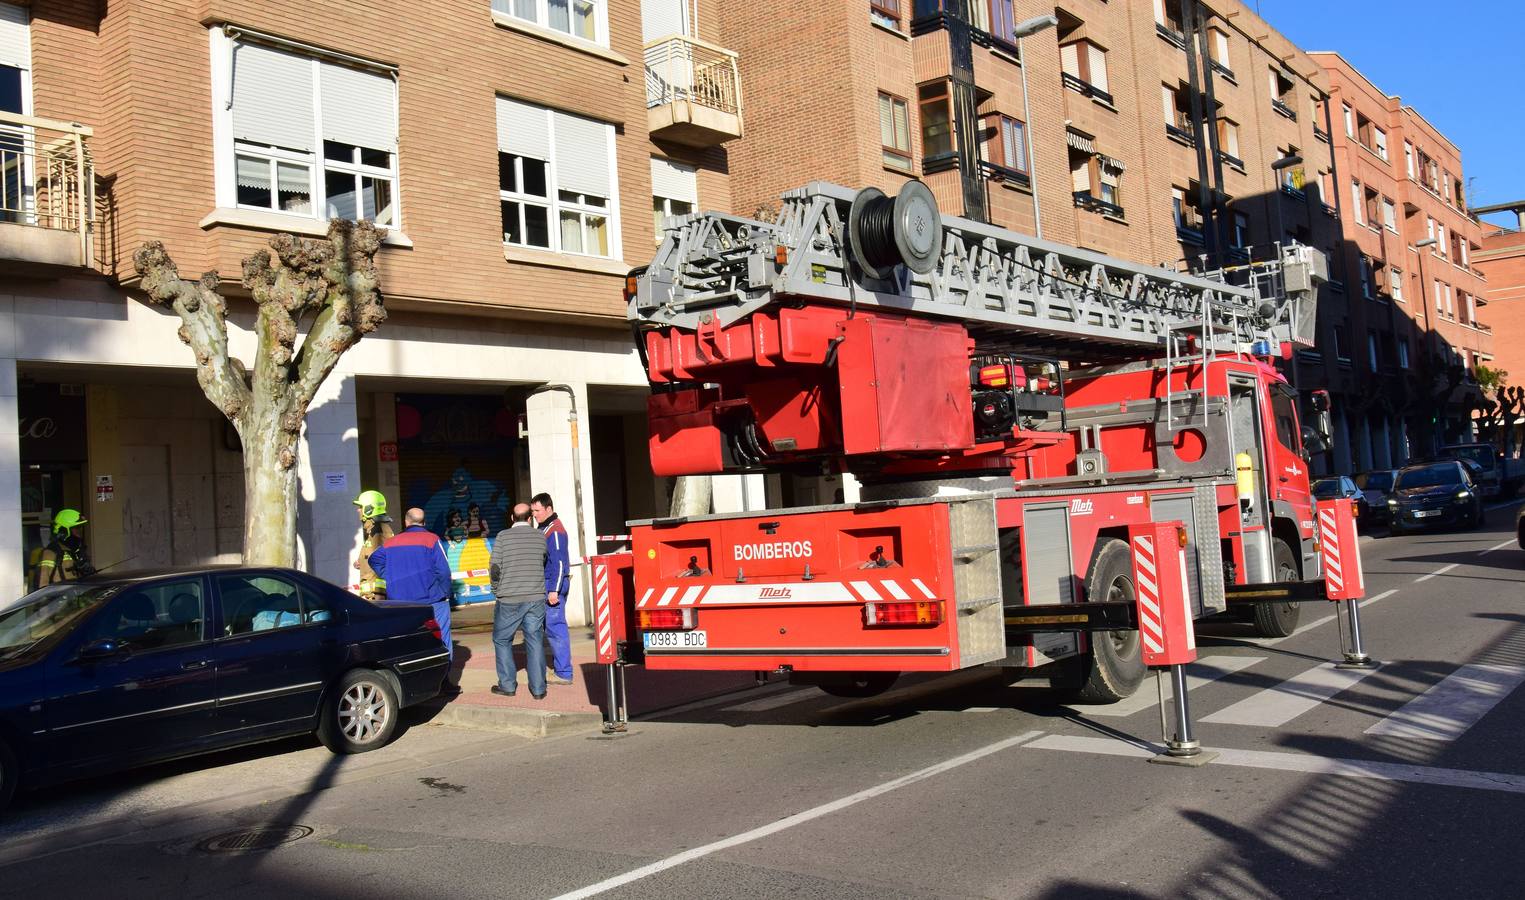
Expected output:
(904, 230)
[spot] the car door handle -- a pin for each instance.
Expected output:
(194, 664)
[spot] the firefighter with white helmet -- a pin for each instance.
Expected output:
(376, 528)
(64, 558)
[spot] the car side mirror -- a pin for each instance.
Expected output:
(1313, 442)
(103, 648)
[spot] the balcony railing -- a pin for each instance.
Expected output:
(1080, 86)
(1284, 109)
(693, 91)
(47, 191)
(1087, 200)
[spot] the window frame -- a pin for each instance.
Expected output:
(886, 151)
(206, 618)
(542, 18)
(226, 148)
(525, 199)
(553, 200)
(1084, 72)
(1000, 121)
(359, 171)
(889, 9)
(303, 591)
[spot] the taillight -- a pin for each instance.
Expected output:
(902, 612)
(666, 619)
(434, 629)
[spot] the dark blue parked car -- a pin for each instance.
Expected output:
(116, 671)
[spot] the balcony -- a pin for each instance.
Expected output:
(1284, 109)
(47, 192)
(1086, 200)
(693, 92)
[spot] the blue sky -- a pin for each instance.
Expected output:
(1459, 63)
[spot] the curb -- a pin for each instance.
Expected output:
(531, 723)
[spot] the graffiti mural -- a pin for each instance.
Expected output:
(456, 460)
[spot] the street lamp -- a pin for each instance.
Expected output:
(1027, 29)
(1286, 162)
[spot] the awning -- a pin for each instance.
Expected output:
(1080, 141)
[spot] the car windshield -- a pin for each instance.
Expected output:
(43, 613)
(1326, 488)
(1429, 476)
(1375, 481)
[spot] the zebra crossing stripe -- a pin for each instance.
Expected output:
(1204, 671)
(1452, 705)
(1284, 702)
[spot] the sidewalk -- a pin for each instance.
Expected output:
(565, 707)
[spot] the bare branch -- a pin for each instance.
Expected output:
(354, 306)
(204, 327)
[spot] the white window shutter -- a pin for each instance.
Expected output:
(663, 18)
(582, 154)
(15, 36)
(524, 129)
(1098, 67)
(272, 97)
(674, 180)
(359, 107)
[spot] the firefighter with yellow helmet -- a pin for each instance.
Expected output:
(64, 558)
(375, 529)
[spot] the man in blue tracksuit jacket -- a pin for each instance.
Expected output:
(416, 570)
(558, 580)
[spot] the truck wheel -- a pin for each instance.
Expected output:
(1279, 619)
(1115, 666)
(10, 774)
(861, 684)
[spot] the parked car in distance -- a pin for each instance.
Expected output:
(120, 670)
(1377, 486)
(1435, 494)
(1497, 475)
(1341, 486)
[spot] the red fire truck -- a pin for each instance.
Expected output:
(1009, 406)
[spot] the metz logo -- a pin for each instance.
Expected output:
(1080, 507)
(773, 593)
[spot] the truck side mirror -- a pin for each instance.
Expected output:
(1319, 399)
(1313, 442)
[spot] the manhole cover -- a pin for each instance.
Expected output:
(263, 838)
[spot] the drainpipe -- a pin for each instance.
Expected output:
(582, 524)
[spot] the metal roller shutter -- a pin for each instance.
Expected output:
(272, 97)
(359, 107)
(583, 149)
(674, 180)
(524, 129)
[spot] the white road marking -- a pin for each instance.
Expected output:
(1203, 671)
(981, 709)
(787, 698)
(1298, 762)
(800, 818)
(1286, 701)
(1508, 543)
(1456, 703)
(1382, 596)
(1440, 571)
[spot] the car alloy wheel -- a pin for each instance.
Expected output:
(364, 713)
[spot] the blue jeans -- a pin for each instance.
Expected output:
(442, 616)
(561, 641)
(508, 618)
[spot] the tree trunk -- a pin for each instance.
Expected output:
(691, 495)
(270, 499)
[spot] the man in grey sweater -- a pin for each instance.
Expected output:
(517, 570)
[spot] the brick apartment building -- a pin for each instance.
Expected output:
(513, 149)
(1411, 333)
(1502, 262)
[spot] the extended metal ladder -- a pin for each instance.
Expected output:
(1012, 290)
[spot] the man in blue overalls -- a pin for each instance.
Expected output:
(558, 580)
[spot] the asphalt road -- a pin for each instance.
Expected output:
(1404, 781)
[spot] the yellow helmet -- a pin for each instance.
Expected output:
(372, 504)
(66, 519)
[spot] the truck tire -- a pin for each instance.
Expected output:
(1279, 619)
(1114, 668)
(861, 684)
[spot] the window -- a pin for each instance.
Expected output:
(1350, 120)
(1217, 47)
(1341, 344)
(1168, 14)
(1357, 203)
(1365, 275)
(1440, 298)
(674, 191)
(1450, 303)
(578, 18)
(1228, 138)
(895, 131)
(1389, 215)
(1380, 138)
(1408, 158)
(1087, 63)
(305, 136)
(1002, 19)
(1468, 308)
(1097, 181)
(1464, 260)
(1240, 235)
(1403, 354)
(156, 617)
(1371, 349)
(933, 102)
(1429, 228)
(1395, 283)
(1440, 239)
(1281, 93)
(1447, 192)
(555, 167)
(1284, 411)
(885, 12)
(1185, 211)
(1008, 143)
(255, 603)
(1373, 208)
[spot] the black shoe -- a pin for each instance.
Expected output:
(499, 691)
(538, 696)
